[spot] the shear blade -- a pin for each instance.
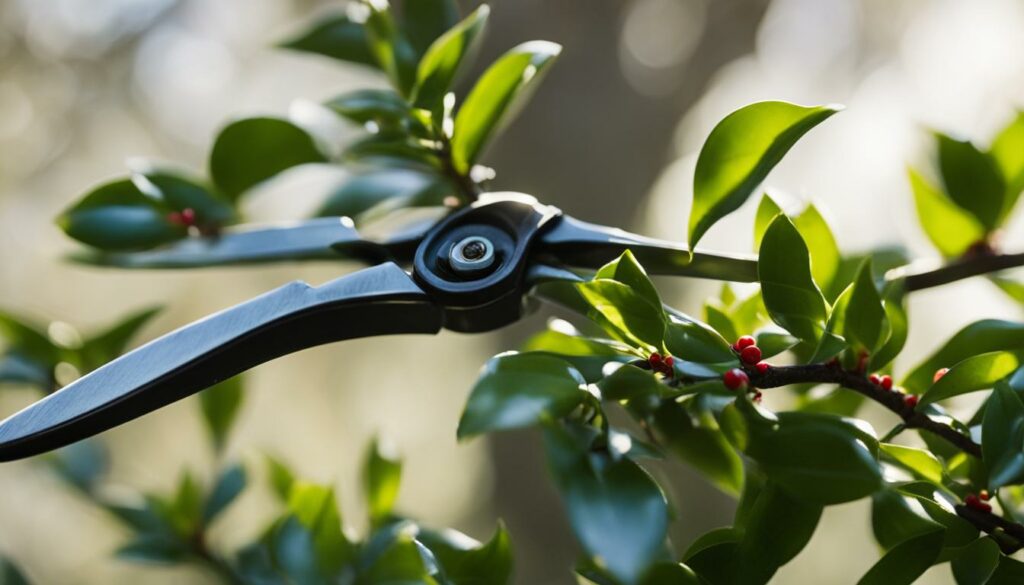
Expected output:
(380, 300)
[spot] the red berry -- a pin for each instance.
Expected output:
(744, 342)
(735, 379)
(939, 373)
(654, 359)
(750, 354)
(910, 400)
(984, 495)
(763, 367)
(886, 382)
(188, 215)
(874, 379)
(971, 500)
(669, 361)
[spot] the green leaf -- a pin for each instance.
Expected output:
(28, 339)
(792, 298)
(1008, 152)
(865, 320)
(219, 405)
(618, 513)
(1008, 572)
(894, 520)
(443, 60)
(466, 562)
(391, 47)
(631, 383)
(229, 486)
(625, 312)
(390, 188)
(976, 562)
(1002, 437)
(951, 230)
(920, 462)
(371, 105)
(181, 192)
(698, 342)
(896, 315)
(16, 369)
(401, 560)
(767, 209)
(671, 574)
(553, 341)
(740, 152)
(713, 554)
(118, 216)
(335, 36)
(315, 509)
(974, 373)
(821, 458)
(778, 526)
(382, 476)
(424, 21)
(520, 390)
(979, 337)
(972, 179)
(627, 270)
(250, 151)
(153, 549)
(692, 434)
(497, 96)
(822, 244)
(10, 574)
(281, 477)
(906, 561)
(938, 508)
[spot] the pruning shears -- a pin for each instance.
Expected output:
(469, 272)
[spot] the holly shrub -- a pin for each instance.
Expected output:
(821, 326)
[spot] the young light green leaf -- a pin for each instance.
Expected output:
(250, 151)
(740, 152)
(220, 405)
(1008, 151)
(792, 298)
(979, 337)
(617, 511)
(972, 179)
(117, 216)
(1002, 437)
(336, 36)
(627, 270)
(865, 321)
(906, 561)
(767, 209)
(920, 462)
(974, 373)
(520, 390)
(497, 96)
(950, 229)
(382, 477)
(443, 60)
(822, 244)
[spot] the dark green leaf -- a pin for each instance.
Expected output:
(228, 487)
(154, 549)
(17, 369)
(402, 561)
(671, 574)
(865, 321)
(117, 216)
(692, 434)
(366, 105)
(696, 342)
(979, 337)
(82, 464)
(951, 229)
(466, 562)
(1008, 572)
(896, 315)
(978, 372)
(906, 561)
(627, 382)
(10, 574)
(424, 21)
(778, 526)
(792, 298)
(893, 520)
(740, 152)
(519, 390)
(713, 556)
(180, 192)
(443, 60)
(219, 405)
(625, 312)
(972, 179)
(497, 96)
(1002, 437)
(335, 36)
(390, 188)
(976, 562)
(382, 476)
(616, 510)
(315, 509)
(250, 151)
(391, 47)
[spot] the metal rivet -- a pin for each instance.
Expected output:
(471, 254)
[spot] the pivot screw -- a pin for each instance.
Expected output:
(471, 255)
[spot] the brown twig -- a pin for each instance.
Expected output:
(1008, 535)
(966, 267)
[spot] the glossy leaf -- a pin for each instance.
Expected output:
(822, 244)
(629, 315)
(382, 476)
(633, 384)
(1008, 572)
(1002, 437)
(1008, 152)
(336, 36)
(696, 341)
(250, 151)
(627, 270)
(118, 216)
(792, 298)
(894, 520)
(371, 105)
(972, 179)
(920, 462)
(951, 229)
(424, 21)
(229, 486)
(978, 372)
(979, 337)
(616, 510)
(896, 315)
(740, 152)
(692, 434)
(865, 323)
(767, 210)
(497, 96)
(220, 405)
(976, 562)
(906, 561)
(392, 188)
(179, 192)
(778, 526)
(443, 60)
(520, 390)
(467, 562)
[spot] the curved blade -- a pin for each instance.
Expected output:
(376, 301)
(314, 239)
(587, 245)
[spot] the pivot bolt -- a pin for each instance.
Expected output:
(471, 255)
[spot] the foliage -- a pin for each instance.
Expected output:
(836, 319)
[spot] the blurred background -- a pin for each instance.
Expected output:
(611, 137)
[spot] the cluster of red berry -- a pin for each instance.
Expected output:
(662, 364)
(885, 383)
(185, 218)
(978, 501)
(750, 355)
